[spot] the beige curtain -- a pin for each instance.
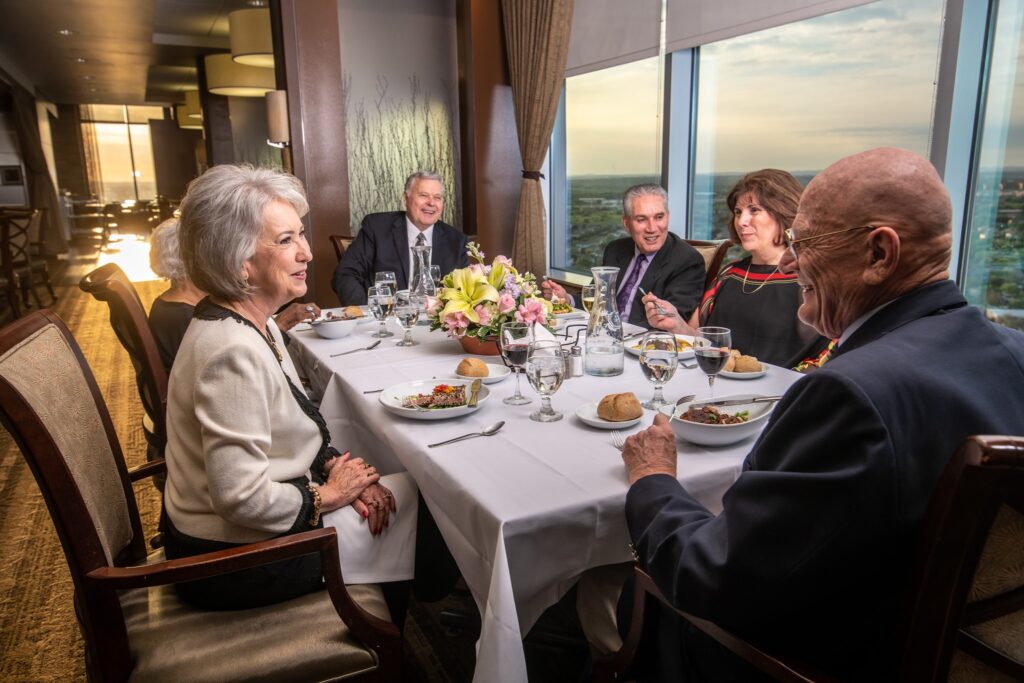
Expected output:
(537, 43)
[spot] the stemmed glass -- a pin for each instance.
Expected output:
(386, 277)
(407, 310)
(658, 361)
(587, 297)
(545, 369)
(435, 275)
(381, 300)
(514, 341)
(711, 346)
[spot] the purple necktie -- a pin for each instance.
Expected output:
(626, 293)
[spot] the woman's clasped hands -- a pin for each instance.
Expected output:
(355, 482)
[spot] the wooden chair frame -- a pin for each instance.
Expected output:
(985, 473)
(20, 263)
(109, 284)
(340, 244)
(714, 264)
(96, 581)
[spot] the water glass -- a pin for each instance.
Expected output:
(407, 309)
(658, 361)
(711, 346)
(386, 277)
(435, 275)
(381, 300)
(545, 368)
(514, 341)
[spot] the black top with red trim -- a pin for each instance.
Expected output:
(763, 320)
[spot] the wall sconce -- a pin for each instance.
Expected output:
(224, 76)
(251, 42)
(278, 134)
(184, 122)
(193, 109)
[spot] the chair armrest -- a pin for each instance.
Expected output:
(615, 665)
(372, 630)
(150, 469)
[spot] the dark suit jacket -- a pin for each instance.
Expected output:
(676, 274)
(813, 541)
(383, 244)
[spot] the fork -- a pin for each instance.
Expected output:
(361, 348)
(618, 440)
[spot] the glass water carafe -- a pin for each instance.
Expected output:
(604, 330)
(421, 284)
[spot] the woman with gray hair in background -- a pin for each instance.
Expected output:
(248, 455)
(172, 310)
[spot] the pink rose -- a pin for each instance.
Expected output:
(532, 311)
(506, 303)
(484, 314)
(433, 304)
(477, 269)
(503, 260)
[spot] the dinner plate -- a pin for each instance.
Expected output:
(633, 346)
(587, 413)
(745, 375)
(367, 317)
(393, 397)
(496, 373)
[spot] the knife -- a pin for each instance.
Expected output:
(735, 401)
(474, 389)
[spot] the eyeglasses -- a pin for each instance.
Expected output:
(791, 241)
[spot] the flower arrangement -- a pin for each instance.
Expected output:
(476, 300)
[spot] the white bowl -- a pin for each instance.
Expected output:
(335, 328)
(720, 435)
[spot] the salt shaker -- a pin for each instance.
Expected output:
(576, 362)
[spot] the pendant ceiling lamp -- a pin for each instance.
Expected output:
(251, 42)
(184, 122)
(277, 119)
(193, 109)
(224, 76)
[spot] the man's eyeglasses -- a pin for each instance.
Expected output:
(791, 240)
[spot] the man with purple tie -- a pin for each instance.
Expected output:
(651, 258)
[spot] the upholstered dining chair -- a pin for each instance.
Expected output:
(134, 626)
(961, 616)
(340, 244)
(20, 253)
(713, 252)
(109, 284)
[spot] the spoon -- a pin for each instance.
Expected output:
(488, 431)
(681, 401)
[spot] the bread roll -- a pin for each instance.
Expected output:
(730, 364)
(353, 312)
(747, 364)
(472, 367)
(619, 407)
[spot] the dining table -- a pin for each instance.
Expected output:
(527, 510)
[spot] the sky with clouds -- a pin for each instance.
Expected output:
(796, 97)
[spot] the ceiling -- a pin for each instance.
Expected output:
(119, 51)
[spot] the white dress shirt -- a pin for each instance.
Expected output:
(413, 232)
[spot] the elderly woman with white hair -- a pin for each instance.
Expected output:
(172, 310)
(248, 455)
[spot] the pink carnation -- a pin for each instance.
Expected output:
(484, 314)
(456, 323)
(532, 311)
(506, 303)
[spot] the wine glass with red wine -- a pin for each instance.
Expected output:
(711, 346)
(514, 340)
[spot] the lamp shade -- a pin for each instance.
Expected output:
(224, 76)
(251, 42)
(193, 109)
(184, 122)
(277, 117)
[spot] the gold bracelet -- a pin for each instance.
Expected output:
(317, 502)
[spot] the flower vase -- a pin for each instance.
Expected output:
(487, 346)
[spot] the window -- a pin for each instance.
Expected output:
(612, 141)
(801, 96)
(994, 265)
(118, 152)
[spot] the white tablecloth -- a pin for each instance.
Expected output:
(526, 511)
